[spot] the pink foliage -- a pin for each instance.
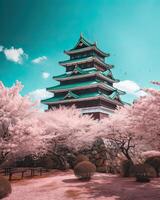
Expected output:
(68, 126)
(25, 130)
(149, 154)
(139, 123)
(20, 130)
(132, 126)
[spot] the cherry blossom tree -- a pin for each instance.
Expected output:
(21, 133)
(25, 131)
(67, 129)
(68, 126)
(135, 128)
(132, 129)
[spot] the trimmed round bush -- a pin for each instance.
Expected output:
(81, 158)
(143, 178)
(155, 163)
(84, 170)
(145, 169)
(143, 172)
(125, 169)
(5, 187)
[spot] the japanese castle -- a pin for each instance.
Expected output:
(87, 82)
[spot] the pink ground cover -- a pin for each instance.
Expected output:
(64, 186)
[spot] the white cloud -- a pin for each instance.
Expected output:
(15, 55)
(1, 48)
(38, 95)
(39, 59)
(127, 86)
(130, 87)
(45, 75)
(140, 93)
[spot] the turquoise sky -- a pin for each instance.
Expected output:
(129, 30)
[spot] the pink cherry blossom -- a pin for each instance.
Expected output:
(21, 133)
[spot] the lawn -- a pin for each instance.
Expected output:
(64, 186)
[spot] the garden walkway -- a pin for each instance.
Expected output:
(64, 186)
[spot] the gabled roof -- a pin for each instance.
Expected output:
(114, 94)
(71, 94)
(81, 41)
(107, 72)
(85, 45)
(77, 70)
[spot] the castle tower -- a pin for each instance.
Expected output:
(87, 82)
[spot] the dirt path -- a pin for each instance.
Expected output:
(64, 186)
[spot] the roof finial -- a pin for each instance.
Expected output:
(81, 35)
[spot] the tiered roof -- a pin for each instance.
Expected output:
(85, 82)
(79, 73)
(67, 63)
(84, 85)
(89, 96)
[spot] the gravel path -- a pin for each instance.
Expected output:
(64, 186)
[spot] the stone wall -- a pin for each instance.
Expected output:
(98, 154)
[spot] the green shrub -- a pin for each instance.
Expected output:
(155, 163)
(84, 170)
(151, 172)
(143, 178)
(143, 172)
(5, 187)
(145, 169)
(125, 169)
(81, 158)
